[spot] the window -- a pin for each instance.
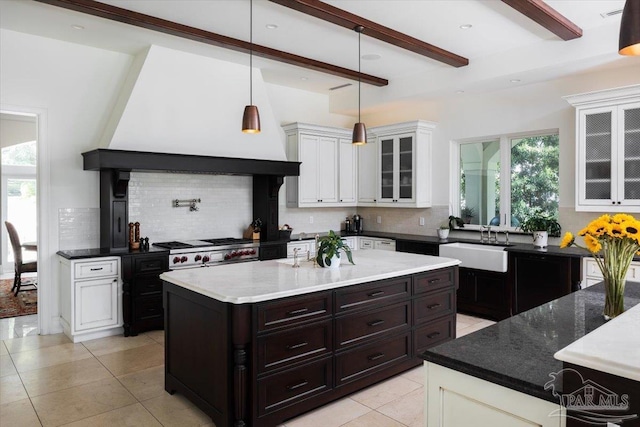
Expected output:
(502, 180)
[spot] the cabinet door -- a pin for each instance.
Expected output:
(327, 169)
(539, 279)
(367, 172)
(348, 167)
(629, 154)
(387, 170)
(96, 303)
(596, 156)
(308, 180)
(406, 169)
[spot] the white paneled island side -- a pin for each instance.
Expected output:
(257, 343)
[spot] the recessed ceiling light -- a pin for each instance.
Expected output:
(371, 57)
(304, 79)
(271, 26)
(77, 27)
(459, 91)
(465, 26)
(515, 80)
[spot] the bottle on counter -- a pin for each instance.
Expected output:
(347, 225)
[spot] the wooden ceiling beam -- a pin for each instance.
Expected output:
(148, 22)
(345, 19)
(548, 17)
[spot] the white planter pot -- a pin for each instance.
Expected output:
(335, 262)
(443, 233)
(540, 239)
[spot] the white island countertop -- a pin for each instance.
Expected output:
(613, 348)
(251, 282)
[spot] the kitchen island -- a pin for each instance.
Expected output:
(258, 343)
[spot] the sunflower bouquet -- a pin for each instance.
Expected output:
(613, 241)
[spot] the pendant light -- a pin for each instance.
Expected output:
(630, 29)
(251, 117)
(359, 130)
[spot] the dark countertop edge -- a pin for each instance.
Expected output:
(72, 254)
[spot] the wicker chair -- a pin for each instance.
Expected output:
(20, 267)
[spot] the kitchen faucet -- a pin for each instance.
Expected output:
(296, 264)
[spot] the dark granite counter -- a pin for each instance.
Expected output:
(100, 252)
(518, 352)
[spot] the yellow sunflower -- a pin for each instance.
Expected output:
(598, 227)
(567, 240)
(592, 243)
(620, 218)
(616, 230)
(583, 232)
(631, 229)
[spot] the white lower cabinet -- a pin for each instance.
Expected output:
(90, 298)
(454, 399)
(377, 243)
(591, 272)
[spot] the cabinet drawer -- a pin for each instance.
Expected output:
(282, 348)
(365, 360)
(302, 247)
(158, 264)
(366, 296)
(354, 328)
(366, 243)
(102, 268)
(434, 305)
(593, 271)
(432, 280)
(148, 308)
(384, 245)
(288, 387)
(147, 284)
(289, 311)
(433, 333)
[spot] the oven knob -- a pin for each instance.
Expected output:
(227, 257)
(245, 253)
(197, 258)
(176, 260)
(234, 254)
(183, 259)
(252, 252)
(205, 258)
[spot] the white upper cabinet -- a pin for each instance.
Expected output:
(608, 150)
(404, 164)
(368, 173)
(327, 166)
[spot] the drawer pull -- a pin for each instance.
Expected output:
(376, 322)
(299, 311)
(97, 269)
(432, 281)
(433, 335)
(376, 356)
(376, 294)
(295, 386)
(295, 346)
(432, 306)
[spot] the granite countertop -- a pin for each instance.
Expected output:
(251, 282)
(105, 252)
(518, 352)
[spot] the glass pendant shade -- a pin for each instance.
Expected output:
(359, 134)
(251, 119)
(630, 29)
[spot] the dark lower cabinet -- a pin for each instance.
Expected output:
(414, 247)
(142, 291)
(261, 364)
(540, 278)
(484, 293)
(272, 251)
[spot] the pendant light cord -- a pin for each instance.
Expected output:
(359, 78)
(251, 52)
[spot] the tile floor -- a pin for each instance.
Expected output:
(116, 381)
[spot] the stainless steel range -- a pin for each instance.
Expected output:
(210, 252)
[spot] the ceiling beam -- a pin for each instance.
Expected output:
(141, 20)
(548, 17)
(345, 19)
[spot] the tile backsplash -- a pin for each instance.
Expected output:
(78, 228)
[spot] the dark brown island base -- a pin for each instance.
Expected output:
(258, 343)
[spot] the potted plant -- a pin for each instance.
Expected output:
(455, 221)
(541, 226)
(329, 248)
(443, 230)
(467, 213)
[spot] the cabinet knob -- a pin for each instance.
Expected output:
(613, 203)
(618, 202)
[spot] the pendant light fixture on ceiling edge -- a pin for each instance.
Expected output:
(630, 29)
(251, 116)
(359, 130)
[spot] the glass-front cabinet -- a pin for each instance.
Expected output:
(396, 169)
(608, 150)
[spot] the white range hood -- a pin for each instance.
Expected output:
(177, 102)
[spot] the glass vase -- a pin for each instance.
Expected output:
(614, 296)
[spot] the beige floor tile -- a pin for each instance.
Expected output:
(116, 343)
(66, 375)
(127, 416)
(407, 409)
(466, 319)
(373, 419)
(416, 374)
(76, 403)
(470, 329)
(6, 366)
(332, 415)
(385, 392)
(145, 384)
(157, 336)
(134, 359)
(176, 411)
(3, 349)
(11, 389)
(19, 414)
(49, 356)
(18, 345)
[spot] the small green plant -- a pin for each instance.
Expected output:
(330, 245)
(444, 225)
(541, 222)
(467, 212)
